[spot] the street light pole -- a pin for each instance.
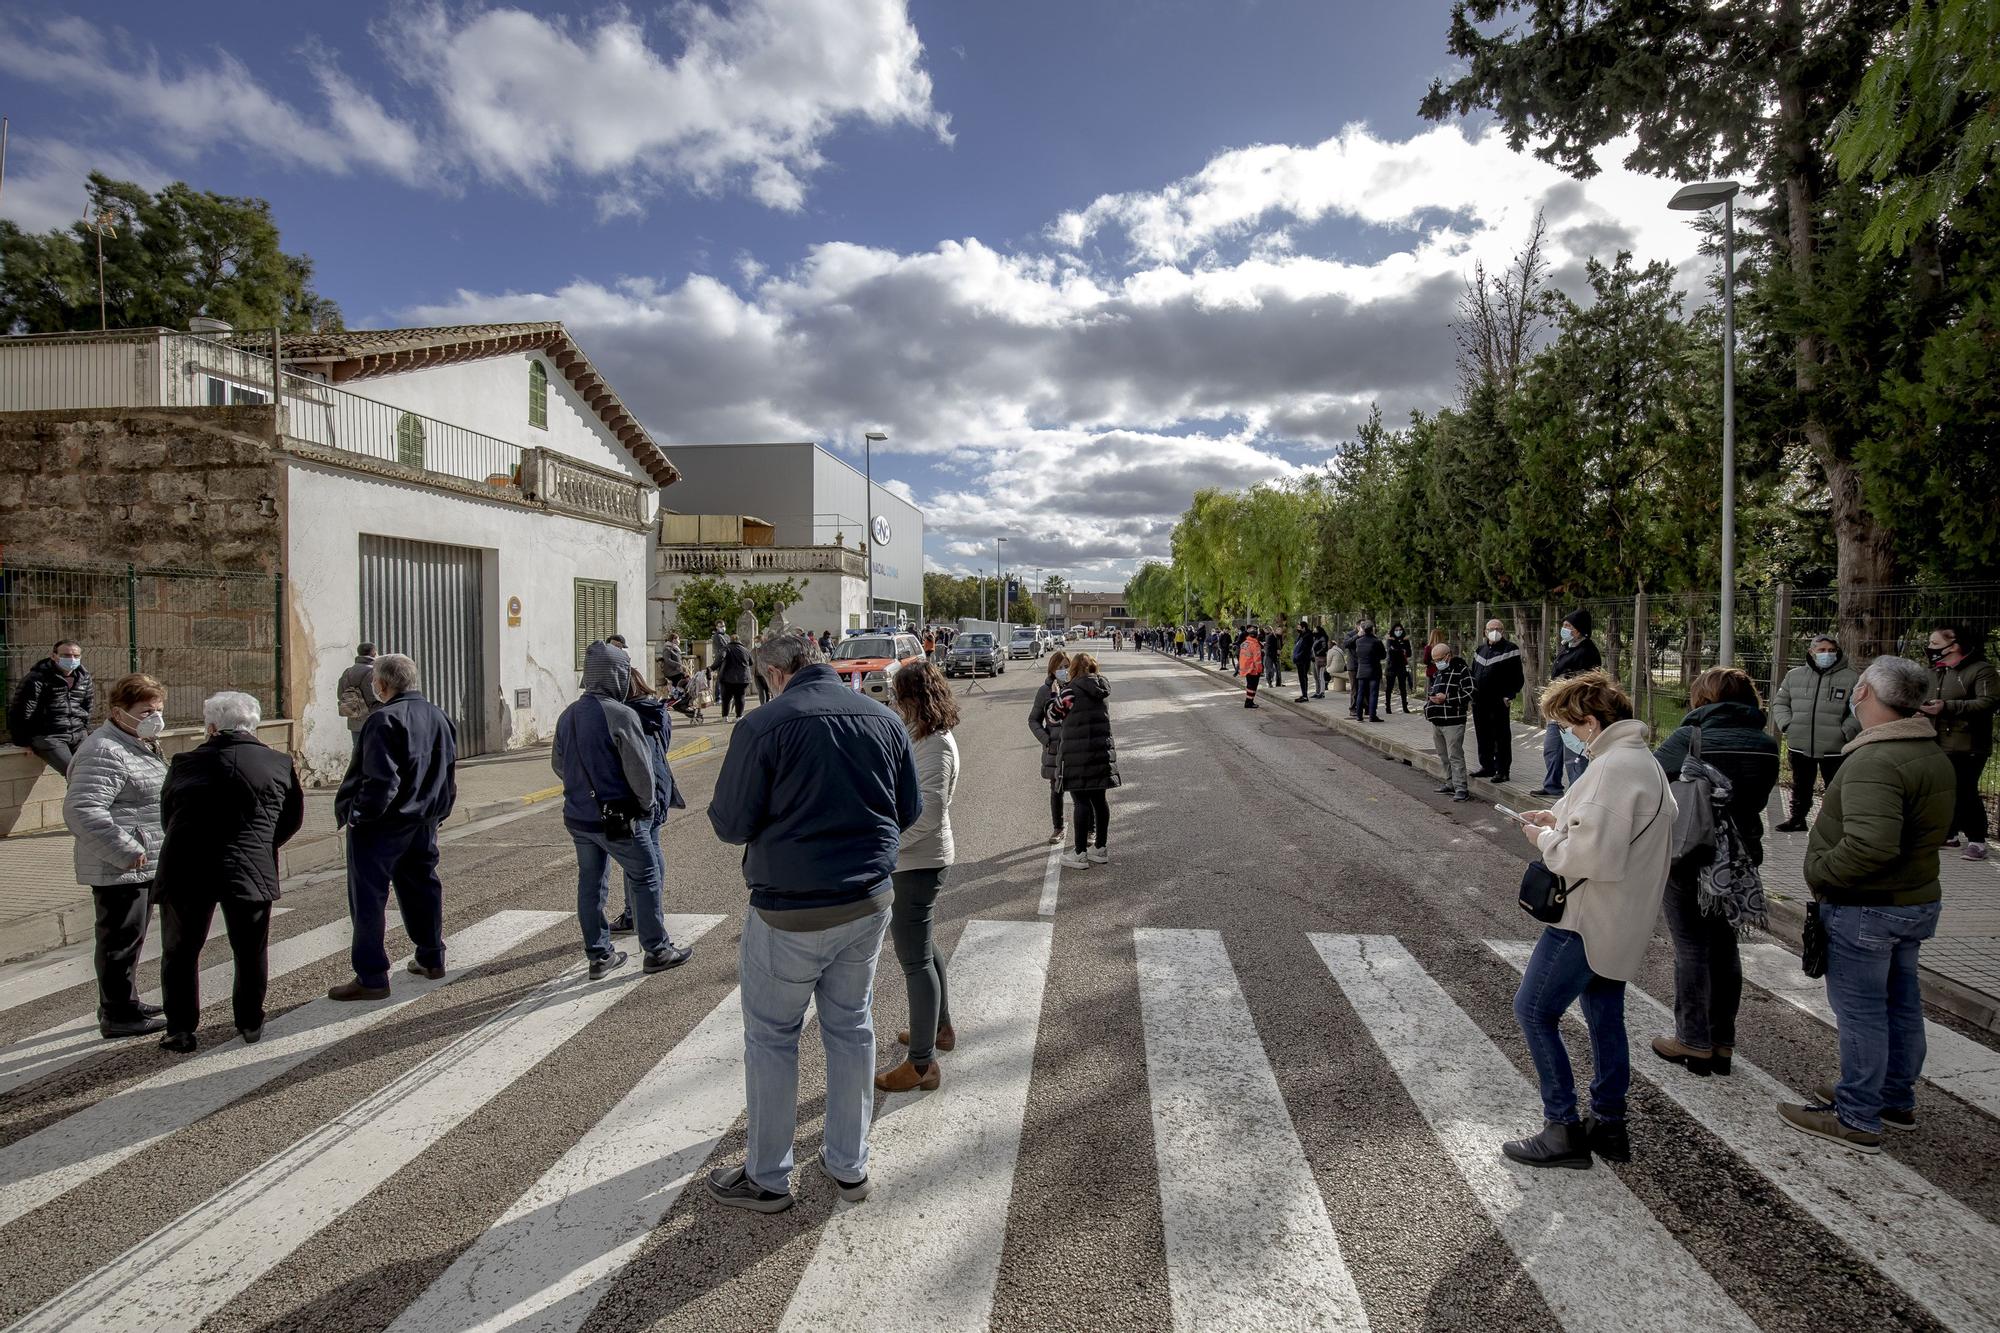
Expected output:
(1700, 198)
(1000, 579)
(868, 439)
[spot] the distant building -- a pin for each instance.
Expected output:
(1098, 610)
(745, 549)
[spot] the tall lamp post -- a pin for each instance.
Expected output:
(1699, 199)
(868, 439)
(1000, 580)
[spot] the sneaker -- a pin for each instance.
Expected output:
(132, 1027)
(1055, 838)
(1952, 841)
(623, 925)
(1075, 860)
(610, 963)
(1892, 1116)
(1822, 1121)
(728, 1186)
(669, 955)
(1974, 851)
(1098, 856)
(853, 1191)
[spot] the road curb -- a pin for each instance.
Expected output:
(1787, 914)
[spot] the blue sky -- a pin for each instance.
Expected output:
(1077, 258)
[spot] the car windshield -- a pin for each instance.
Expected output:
(859, 648)
(1024, 634)
(975, 641)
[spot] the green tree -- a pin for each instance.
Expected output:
(701, 601)
(768, 599)
(179, 253)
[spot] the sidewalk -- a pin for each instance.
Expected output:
(42, 906)
(1961, 966)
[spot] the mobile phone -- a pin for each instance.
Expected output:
(1514, 815)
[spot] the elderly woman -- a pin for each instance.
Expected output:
(1611, 839)
(228, 805)
(113, 810)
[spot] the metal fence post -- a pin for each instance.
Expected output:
(1781, 639)
(277, 396)
(278, 644)
(132, 615)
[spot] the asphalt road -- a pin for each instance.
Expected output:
(1250, 1075)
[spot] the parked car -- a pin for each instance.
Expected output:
(974, 655)
(868, 663)
(1027, 642)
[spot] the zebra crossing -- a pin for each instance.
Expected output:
(1249, 1240)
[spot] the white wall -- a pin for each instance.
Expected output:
(530, 555)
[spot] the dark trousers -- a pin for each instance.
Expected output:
(1805, 768)
(732, 694)
(1494, 734)
(1304, 671)
(123, 911)
(1055, 807)
(1093, 814)
(55, 751)
(1277, 671)
(184, 922)
(404, 857)
(1367, 694)
(763, 691)
(910, 917)
(1708, 971)
(1250, 690)
(1968, 816)
(1399, 683)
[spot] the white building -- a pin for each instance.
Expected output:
(743, 549)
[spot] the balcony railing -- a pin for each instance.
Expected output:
(762, 560)
(570, 487)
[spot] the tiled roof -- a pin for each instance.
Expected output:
(355, 354)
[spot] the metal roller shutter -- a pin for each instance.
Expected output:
(425, 600)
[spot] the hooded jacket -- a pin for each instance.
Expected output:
(1813, 707)
(1970, 692)
(1302, 649)
(1086, 757)
(601, 751)
(1887, 811)
(1733, 739)
(1250, 655)
(658, 725)
(1496, 670)
(1582, 654)
(47, 704)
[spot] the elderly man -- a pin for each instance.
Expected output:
(1872, 864)
(227, 807)
(817, 788)
(400, 788)
(1496, 679)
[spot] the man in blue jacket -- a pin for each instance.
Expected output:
(611, 796)
(817, 788)
(402, 785)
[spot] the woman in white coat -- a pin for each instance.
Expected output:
(930, 711)
(1611, 839)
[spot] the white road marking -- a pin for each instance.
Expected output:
(1955, 1063)
(55, 1160)
(549, 1259)
(28, 982)
(1051, 880)
(1916, 1235)
(55, 1048)
(942, 1162)
(1249, 1244)
(1601, 1259)
(202, 1260)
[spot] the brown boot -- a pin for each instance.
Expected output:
(905, 1077)
(947, 1039)
(354, 990)
(1698, 1059)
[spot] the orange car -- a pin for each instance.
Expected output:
(868, 663)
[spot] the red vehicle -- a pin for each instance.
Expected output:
(868, 663)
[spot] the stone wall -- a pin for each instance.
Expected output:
(196, 488)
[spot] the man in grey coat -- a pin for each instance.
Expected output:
(1814, 712)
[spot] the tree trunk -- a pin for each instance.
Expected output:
(1866, 559)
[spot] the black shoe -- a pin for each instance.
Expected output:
(251, 1036)
(1301, 699)
(1790, 826)
(1445, 789)
(728, 1186)
(611, 963)
(1557, 1145)
(180, 1043)
(670, 955)
(1502, 778)
(623, 925)
(150, 1010)
(1544, 791)
(1481, 773)
(1608, 1139)
(132, 1027)
(1461, 795)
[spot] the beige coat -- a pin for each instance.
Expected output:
(1615, 834)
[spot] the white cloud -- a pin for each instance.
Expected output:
(45, 182)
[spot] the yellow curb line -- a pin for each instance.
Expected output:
(687, 751)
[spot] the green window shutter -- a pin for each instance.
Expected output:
(410, 440)
(596, 613)
(538, 395)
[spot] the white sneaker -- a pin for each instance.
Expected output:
(1074, 860)
(1100, 856)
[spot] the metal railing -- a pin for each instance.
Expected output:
(195, 631)
(762, 560)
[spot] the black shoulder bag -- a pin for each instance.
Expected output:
(1544, 893)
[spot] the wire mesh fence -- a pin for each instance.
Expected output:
(195, 631)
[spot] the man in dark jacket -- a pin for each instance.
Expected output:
(816, 789)
(610, 795)
(1274, 644)
(1398, 654)
(50, 712)
(733, 680)
(1872, 864)
(1577, 655)
(1964, 693)
(227, 807)
(1496, 680)
(403, 785)
(355, 693)
(1446, 708)
(1322, 648)
(1365, 659)
(1302, 659)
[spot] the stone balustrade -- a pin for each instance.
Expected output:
(569, 487)
(762, 560)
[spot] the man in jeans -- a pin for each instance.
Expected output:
(1872, 864)
(817, 788)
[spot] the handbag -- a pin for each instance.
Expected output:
(1700, 791)
(1544, 894)
(1812, 948)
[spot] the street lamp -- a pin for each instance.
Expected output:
(1000, 579)
(1699, 199)
(868, 439)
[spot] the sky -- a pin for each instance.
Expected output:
(1077, 258)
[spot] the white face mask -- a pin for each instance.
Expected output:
(1826, 659)
(150, 725)
(1493, 636)
(1062, 675)
(69, 664)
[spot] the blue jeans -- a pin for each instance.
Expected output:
(1560, 767)
(638, 857)
(1871, 982)
(782, 971)
(1558, 974)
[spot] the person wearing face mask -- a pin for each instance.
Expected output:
(1397, 681)
(1564, 761)
(50, 711)
(1322, 647)
(1445, 708)
(1964, 693)
(1050, 736)
(1496, 679)
(1364, 664)
(718, 645)
(1813, 710)
(113, 810)
(1302, 658)
(394, 797)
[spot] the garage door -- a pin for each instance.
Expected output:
(425, 600)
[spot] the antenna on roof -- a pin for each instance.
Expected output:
(102, 222)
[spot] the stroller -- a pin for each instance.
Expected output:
(684, 698)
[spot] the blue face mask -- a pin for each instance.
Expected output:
(1572, 742)
(1826, 660)
(1568, 634)
(1062, 675)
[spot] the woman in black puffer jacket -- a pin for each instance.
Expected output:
(1086, 759)
(1046, 732)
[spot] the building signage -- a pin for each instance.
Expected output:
(882, 533)
(886, 571)
(513, 613)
